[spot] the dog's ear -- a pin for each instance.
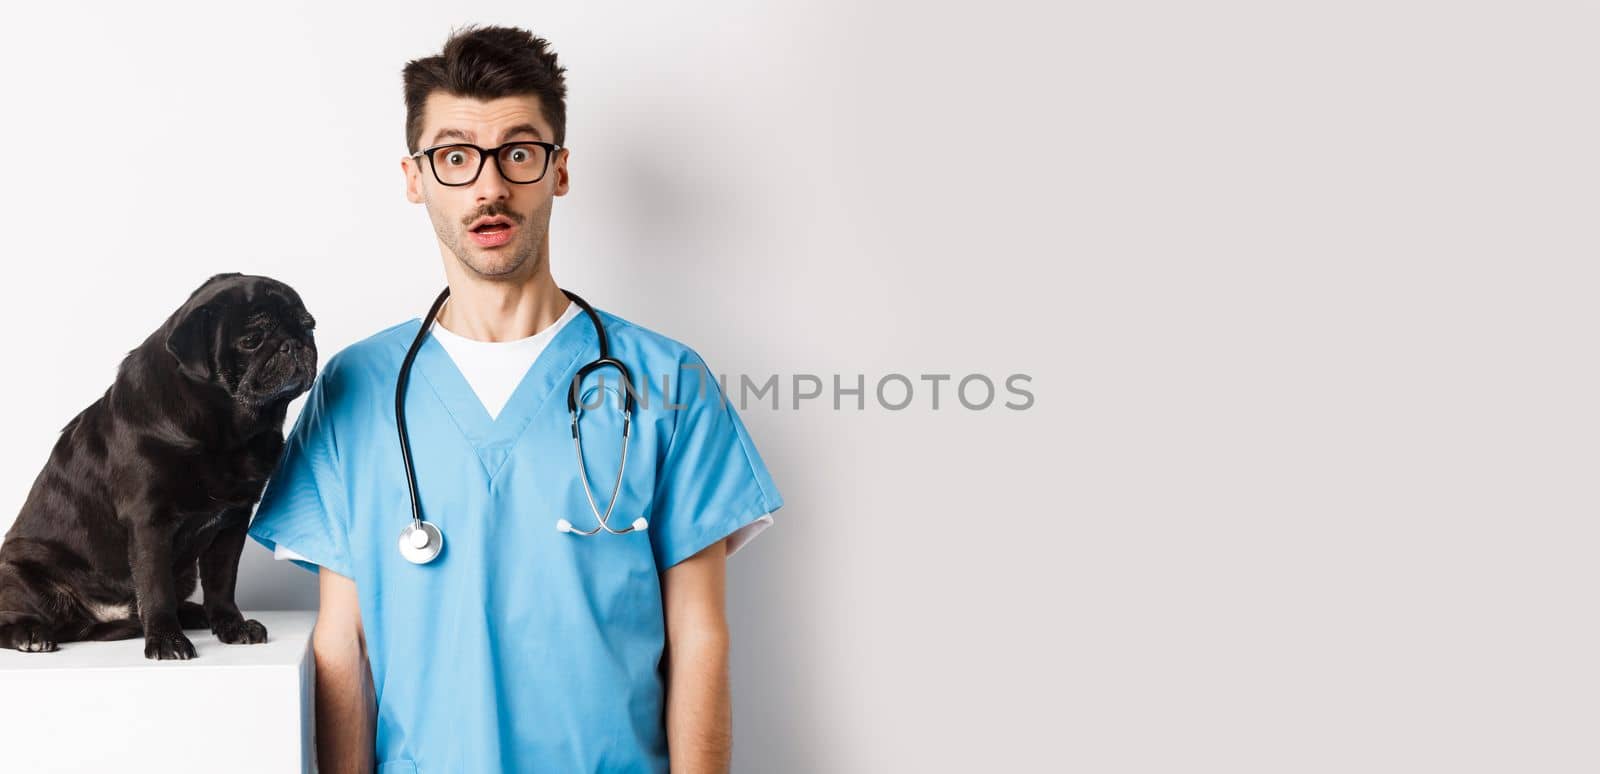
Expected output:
(190, 342)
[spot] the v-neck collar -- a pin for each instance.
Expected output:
(492, 438)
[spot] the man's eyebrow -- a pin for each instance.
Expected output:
(459, 134)
(455, 133)
(521, 129)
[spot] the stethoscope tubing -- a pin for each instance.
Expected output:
(400, 407)
(616, 488)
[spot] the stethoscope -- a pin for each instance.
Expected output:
(421, 541)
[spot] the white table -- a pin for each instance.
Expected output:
(104, 707)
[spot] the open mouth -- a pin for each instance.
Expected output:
(492, 232)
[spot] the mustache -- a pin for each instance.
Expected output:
(489, 212)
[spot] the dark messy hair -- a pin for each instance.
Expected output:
(488, 63)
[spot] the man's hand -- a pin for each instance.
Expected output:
(699, 708)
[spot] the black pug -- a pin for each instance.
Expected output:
(154, 482)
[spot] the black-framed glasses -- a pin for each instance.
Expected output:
(521, 162)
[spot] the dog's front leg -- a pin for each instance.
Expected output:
(219, 569)
(150, 557)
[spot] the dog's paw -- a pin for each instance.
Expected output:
(240, 631)
(30, 638)
(168, 644)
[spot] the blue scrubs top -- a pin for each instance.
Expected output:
(519, 648)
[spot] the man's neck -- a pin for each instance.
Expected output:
(494, 311)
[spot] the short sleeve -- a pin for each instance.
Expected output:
(303, 509)
(712, 482)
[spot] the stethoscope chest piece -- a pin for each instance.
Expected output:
(421, 545)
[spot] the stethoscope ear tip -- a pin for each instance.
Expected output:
(640, 523)
(563, 526)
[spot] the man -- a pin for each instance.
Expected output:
(520, 646)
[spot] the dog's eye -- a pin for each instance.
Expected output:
(251, 342)
(308, 323)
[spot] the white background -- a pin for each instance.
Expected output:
(1307, 293)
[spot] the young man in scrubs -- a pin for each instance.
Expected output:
(520, 647)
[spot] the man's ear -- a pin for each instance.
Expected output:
(558, 165)
(190, 342)
(409, 168)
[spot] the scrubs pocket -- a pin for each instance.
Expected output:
(398, 767)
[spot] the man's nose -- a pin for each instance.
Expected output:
(490, 183)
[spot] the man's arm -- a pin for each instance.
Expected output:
(699, 707)
(345, 706)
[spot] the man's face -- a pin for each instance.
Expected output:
(512, 252)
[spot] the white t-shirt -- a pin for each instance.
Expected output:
(495, 368)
